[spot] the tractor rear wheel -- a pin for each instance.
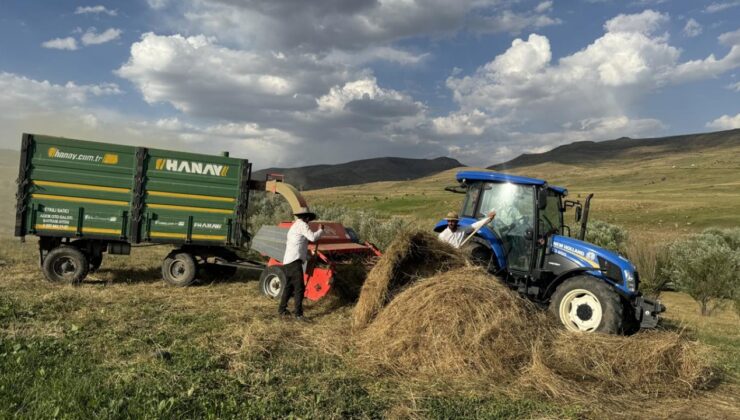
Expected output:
(587, 304)
(65, 264)
(273, 281)
(179, 268)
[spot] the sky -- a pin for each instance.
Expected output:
(294, 82)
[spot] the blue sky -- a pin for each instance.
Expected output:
(288, 83)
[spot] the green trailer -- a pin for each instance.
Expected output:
(85, 199)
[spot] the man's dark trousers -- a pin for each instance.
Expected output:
(293, 286)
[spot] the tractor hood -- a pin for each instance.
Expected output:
(605, 263)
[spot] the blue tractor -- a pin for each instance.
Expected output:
(530, 248)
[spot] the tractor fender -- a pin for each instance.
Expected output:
(581, 270)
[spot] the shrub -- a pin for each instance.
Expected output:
(650, 259)
(607, 235)
(369, 225)
(705, 267)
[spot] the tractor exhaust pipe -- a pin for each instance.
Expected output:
(584, 218)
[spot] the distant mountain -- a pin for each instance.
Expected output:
(585, 152)
(360, 172)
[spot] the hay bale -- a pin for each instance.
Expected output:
(459, 323)
(409, 257)
(581, 367)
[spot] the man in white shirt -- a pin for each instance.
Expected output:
(455, 236)
(296, 250)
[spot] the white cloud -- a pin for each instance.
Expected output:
(644, 23)
(725, 122)
(730, 39)
(352, 24)
(157, 4)
(339, 97)
(734, 86)
(81, 10)
(543, 7)
(692, 28)
(92, 37)
(471, 123)
(511, 22)
(199, 77)
(68, 43)
(720, 6)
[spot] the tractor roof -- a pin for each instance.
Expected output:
(499, 177)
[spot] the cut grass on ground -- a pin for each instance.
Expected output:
(125, 344)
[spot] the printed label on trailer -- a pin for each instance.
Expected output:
(207, 225)
(189, 167)
(106, 158)
(55, 217)
(101, 218)
(165, 223)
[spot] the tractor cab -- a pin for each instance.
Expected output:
(529, 246)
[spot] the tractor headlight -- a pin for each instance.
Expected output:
(629, 280)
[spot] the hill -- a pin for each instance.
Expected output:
(625, 148)
(360, 171)
(660, 188)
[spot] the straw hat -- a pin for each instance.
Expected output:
(452, 216)
(304, 211)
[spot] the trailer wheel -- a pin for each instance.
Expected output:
(587, 304)
(179, 268)
(272, 281)
(65, 264)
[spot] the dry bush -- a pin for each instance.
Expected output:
(460, 323)
(588, 367)
(650, 259)
(409, 257)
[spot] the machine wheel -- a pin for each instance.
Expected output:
(215, 272)
(179, 268)
(478, 253)
(272, 281)
(587, 304)
(65, 264)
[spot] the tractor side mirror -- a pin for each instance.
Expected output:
(542, 198)
(579, 213)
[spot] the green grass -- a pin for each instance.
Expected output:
(124, 346)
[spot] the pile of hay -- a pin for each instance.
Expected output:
(582, 367)
(463, 322)
(409, 257)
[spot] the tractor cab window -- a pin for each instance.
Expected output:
(551, 218)
(471, 200)
(514, 206)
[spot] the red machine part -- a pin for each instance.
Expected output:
(335, 241)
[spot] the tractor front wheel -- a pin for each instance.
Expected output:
(273, 281)
(587, 304)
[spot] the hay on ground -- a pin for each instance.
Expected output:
(463, 322)
(409, 257)
(581, 367)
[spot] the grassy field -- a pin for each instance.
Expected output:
(670, 195)
(126, 345)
